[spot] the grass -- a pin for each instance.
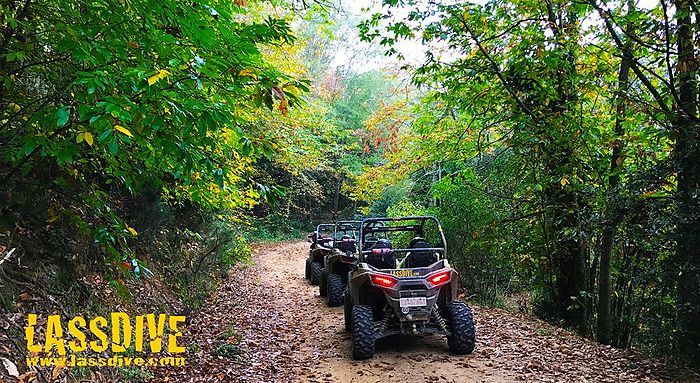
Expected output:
(229, 334)
(275, 229)
(136, 375)
(228, 350)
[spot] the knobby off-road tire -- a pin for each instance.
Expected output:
(307, 270)
(323, 283)
(347, 310)
(316, 269)
(463, 336)
(362, 332)
(334, 292)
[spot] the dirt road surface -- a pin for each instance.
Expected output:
(267, 324)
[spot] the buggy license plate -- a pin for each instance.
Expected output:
(413, 302)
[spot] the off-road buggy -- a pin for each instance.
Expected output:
(321, 244)
(337, 264)
(403, 284)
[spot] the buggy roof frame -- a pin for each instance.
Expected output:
(378, 225)
(345, 226)
(324, 226)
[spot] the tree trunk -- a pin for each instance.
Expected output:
(568, 253)
(687, 156)
(336, 197)
(604, 290)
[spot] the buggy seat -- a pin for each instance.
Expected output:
(325, 241)
(420, 258)
(347, 244)
(381, 256)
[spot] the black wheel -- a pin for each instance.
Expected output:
(347, 310)
(362, 332)
(307, 270)
(323, 283)
(316, 268)
(335, 290)
(461, 321)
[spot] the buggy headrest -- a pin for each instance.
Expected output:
(381, 252)
(382, 244)
(416, 241)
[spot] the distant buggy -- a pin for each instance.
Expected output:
(403, 284)
(338, 263)
(321, 244)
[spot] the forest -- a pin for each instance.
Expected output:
(146, 148)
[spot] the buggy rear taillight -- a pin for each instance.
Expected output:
(440, 278)
(383, 281)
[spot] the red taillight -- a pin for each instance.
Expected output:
(439, 278)
(383, 281)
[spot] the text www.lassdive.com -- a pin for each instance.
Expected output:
(114, 361)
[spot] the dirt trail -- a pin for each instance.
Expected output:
(286, 333)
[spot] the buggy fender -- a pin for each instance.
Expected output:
(454, 284)
(318, 254)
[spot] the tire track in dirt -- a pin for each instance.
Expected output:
(286, 333)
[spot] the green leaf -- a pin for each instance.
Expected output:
(113, 146)
(62, 116)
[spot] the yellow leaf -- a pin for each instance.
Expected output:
(564, 181)
(132, 230)
(247, 73)
(14, 106)
(162, 73)
(80, 137)
(123, 130)
(284, 107)
(56, 372)
(88, 138)
(289, 88)
(52, 215)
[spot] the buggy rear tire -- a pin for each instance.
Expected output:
(461, 319)
(334, 291)
(323, 283)
(316, 268)
(307, 270)
(347, 310)
(362, 332)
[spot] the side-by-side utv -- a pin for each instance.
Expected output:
(337, 264)
(321, 244)
(404, 284)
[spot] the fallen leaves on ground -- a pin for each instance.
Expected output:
(282, 331)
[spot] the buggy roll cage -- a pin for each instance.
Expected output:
(316, 235)
(324, 226)
(378, 225)
(345, 227)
